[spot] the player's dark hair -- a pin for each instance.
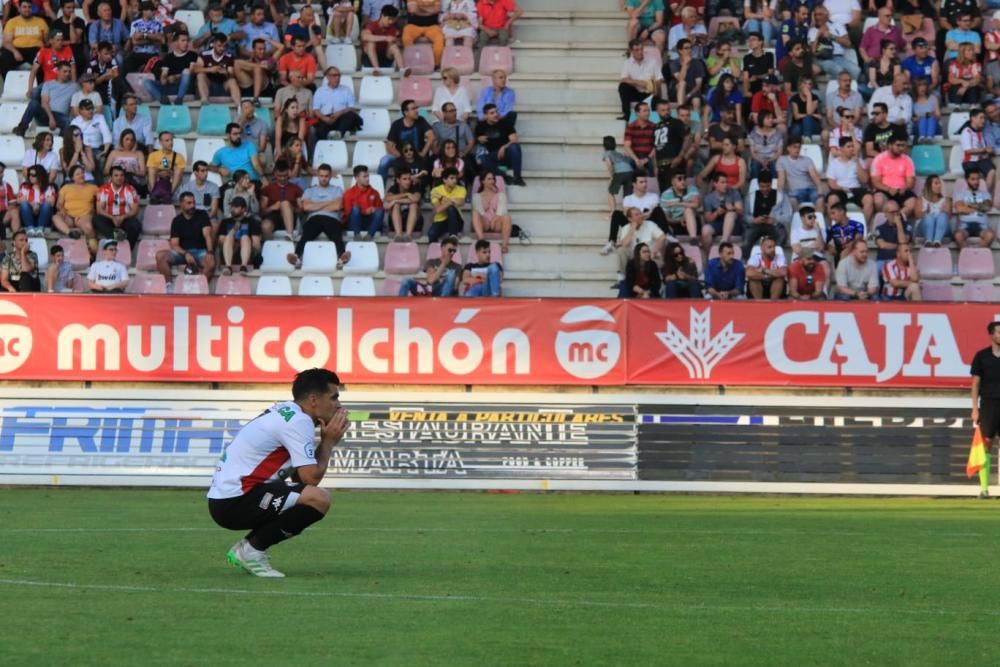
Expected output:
(609, 143)
(991, 327)
(313, 381)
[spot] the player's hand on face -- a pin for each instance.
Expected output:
(332, 431)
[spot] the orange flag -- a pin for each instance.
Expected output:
(977, 454)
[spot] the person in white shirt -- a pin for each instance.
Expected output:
(451, 91)
(335, 107)
(828, 41)
(766, 270)
(847, 178)
(108, 275)
(638, 230)
(846, 13)
(640, 78)
(896, 98)
(977, 155)
(267, 480)
(95, 130)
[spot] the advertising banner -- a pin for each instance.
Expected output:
(490, 341)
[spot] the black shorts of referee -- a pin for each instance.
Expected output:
(989, 418)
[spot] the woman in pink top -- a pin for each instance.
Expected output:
(489, 211)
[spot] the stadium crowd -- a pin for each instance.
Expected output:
(97, 170)
(771, 142)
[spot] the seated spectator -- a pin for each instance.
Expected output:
(845, 129)
(146, 38)
(900, 278)
(242, 228)
(871, 42)
(109, 29)
(962, 34)
(890, 233)
(191, 243)
(410, 162)
(893, 177)
(638, 230)
(215, 74)
(164, 169)
(118, 210)
(766, 144)
(130, 158)
(45, 66)
(255, 68)
(342, 21)
(759, 21)
(844, 102)
(971, 206)
(243, 187)
(41, 153)
(23, 37)
(798, 64)
(60, 276)
(481, 277)
(297, 60)
(680, 274)
(758, 64)
(722, 63)
(52, 110)
(299, 171)
(335, 107)
(238, 154)
(108, 275)
(217, 24)
(725, 95)
(728, 126)
(977, 155)
(36, 199)
(725, 276)
(807, 113)
(723, 212)
(403, 204)
(110, 81)
(175, 73)
(489, 211)
(794, 28)
(934, 212)
(73, 29)
(646, 21)
(459, 21)
(422, 21)
(926, 113)
(309, 28)
(642, 199)
(640, 147)
(808, 278)
(922, 64)
(503, 97)
(685, 76)
(450, 92)
(496, 21)
(380, 43)
(498, 144)
(95, 130)
(880, 133)
(882, 71)
(75, 152)
(766, 270)
(140, 124)
(411, 128)
(992, 69)
(10, 216)
(642, 276)
(808, 237)
(453, 130)
(19, 266)
(727, 162)
(691, 29)
(842, 233)
(363, 206)
(205, 192)
(848, 179)
(828, 40)
(448, 158)
(279, 202)
(75, 204)
(447, 199)
(322, 205)
(898, 103)
(255, 130)
(680, 204)
(797, 176)
(857, 277)
(770, 99)
(289, 123)
(259, 28)
(301, 89)
(674, 143)
(965, 77)
(441, 273)
(763, 205)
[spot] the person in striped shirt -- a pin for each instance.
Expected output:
(117, 209)
(900, 278)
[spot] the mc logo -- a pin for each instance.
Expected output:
(15, 339)
(588, 353)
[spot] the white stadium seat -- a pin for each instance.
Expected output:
(316, 286)
(274, 257)
(368, 153)
(194, 20)
(376, 91)
(274, 286)
(204, 149)
(319, 257)
(357, 286)
(376, 123)
(38, 245)
(15, 86)
(333, 153)
(364, 258)
(342, 56)
(10, 115)
(11, 150)
(955, 122)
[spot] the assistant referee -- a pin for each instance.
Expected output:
(986, 399)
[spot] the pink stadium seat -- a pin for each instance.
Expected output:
(145, 258)
(124, 253)
(979, 291)
(496, 254)
(402, 258)
(652, 185)
(184, 284)
(417, 88)
(157, 218)
(390, 286)
(460, 57)
(492, 58)
(975, 263)
(935, 263)
(234, 286)
(694, 253)
(147, 283)
(713, 252)
(934, 290)
(135, 80)
(76, 252)
(419, 58)
(472, 86)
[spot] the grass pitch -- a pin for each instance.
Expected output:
(138, 577)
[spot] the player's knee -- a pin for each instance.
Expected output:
(315, 497)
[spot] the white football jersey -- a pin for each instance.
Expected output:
(262, 448)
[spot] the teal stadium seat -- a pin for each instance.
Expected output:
(928, 160)
(174, 118)
(213, 118)
(265, 115)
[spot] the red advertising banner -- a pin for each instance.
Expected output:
(489, 341)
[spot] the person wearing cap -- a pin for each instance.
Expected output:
(108, 275)
(95, 130)
(808, 278)
(52, 109)
(23, 37)
(146, 37)
(87, 84)
(214, 71)
(117, 209)
(45, 67)
(218, 24)
(240, 228)
(922, 64)
(191, 243)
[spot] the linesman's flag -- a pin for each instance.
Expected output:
(977, 454)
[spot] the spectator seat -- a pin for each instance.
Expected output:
(980, 291)
(316, 285)
(418, 58)
(928, 159)
(459, 56)
(955, 161)
(375, 181)
(368, 153)
(196, 284)
(147, 283)
(935, 290)
(175, 118)
(204, 149)
(331, 152)
(274, 286)
(364, 258)
(319, 257)
(815, 153)
(956, 119)
(193, 19)
(492, 58)
(417, 88)
(145, 256)
(935, 263)
(76, 252)
(694, 254)
(11, 176)
(274, 257)
(10, 115)
(376, 124)
(343, 57)
(402, 258)
(234, 286)
(376, 91)
(136, 80)
(390, 285)
(38, 245)
(15, 86)
(11, 150)
(975, 264)
(156, 219)
(213, 118)
(357, 286)
(124, 252)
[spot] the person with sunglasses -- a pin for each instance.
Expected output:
(36, 199)
(442, 273)
(412, 129)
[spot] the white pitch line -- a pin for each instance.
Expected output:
(506, 600)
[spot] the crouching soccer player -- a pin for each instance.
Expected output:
(249, 489)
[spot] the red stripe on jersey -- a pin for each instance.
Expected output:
(270, 465)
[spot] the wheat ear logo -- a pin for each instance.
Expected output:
(700, 351)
